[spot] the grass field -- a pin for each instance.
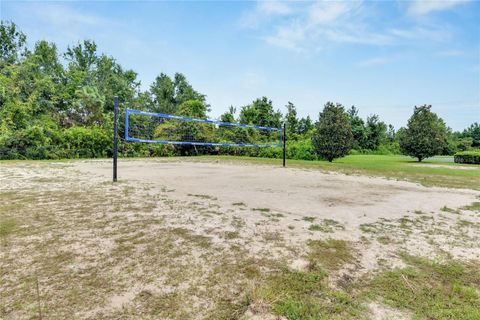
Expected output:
(240, 238)
(427, 172)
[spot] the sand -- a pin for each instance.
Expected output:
(177, 230)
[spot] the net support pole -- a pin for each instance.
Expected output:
(115, 137)
(284, 143)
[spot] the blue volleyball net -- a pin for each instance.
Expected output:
(150, 127)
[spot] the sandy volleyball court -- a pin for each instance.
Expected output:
(297, 193)
(191, 230)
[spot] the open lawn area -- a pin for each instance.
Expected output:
(427, 172)
(364, 237)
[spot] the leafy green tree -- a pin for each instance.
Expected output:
(333, 136)
(425, 135)
(391, 134)
(12, 43)
(229, 116)
(291, 119)
(261, 113)
(358, 128)
(46, 61)
(169, 94)
(305, 125)
(473, 132)
(163, 93)
(112, 80)
(375, 133)
(87, 107)
(82, 56)
(193, 109)
(184, 91)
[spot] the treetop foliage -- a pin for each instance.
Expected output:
(52, 104)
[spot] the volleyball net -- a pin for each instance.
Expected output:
(150, 127)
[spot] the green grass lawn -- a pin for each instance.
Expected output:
(394, 167)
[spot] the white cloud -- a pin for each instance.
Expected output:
(324, 12)
(430, 32)
(422, 7)
(263, 12)
(274, 7)
(309, 27)
(319, 24)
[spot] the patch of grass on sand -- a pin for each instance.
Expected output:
(330, 254)
(327, 226)
(305, 295)
(449, 210)
(202, 196)
(308, 219)
(7, 226)
(239, 204)
(475, 206)
(430, 290)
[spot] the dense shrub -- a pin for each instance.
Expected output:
(472, 157)
(93, 142)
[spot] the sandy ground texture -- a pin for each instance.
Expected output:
(178, 239)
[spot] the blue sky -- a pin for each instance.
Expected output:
(382, 56)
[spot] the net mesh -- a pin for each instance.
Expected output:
(143, 126)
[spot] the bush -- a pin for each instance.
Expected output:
(301, 150)
(472, 157)
(93, 142)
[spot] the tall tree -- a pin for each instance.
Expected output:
(12, 43)
(376, 132)
(82, 56)
(169, 94)
(291, 119)
(163, 93)
(229, 116)
(473, 132)
(305, 125)
(333, 134)
(358, 128)
(261, 113)
(425, 135)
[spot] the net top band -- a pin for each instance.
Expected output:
(169, 116)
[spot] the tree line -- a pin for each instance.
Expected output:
(60, 105)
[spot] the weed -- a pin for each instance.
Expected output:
(331, 253)
(449, 210)
(431, 290)
(202, 196)
(239, 204)
(327, 226)
(475, 206)
(231, 235)
(7, 226)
